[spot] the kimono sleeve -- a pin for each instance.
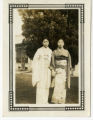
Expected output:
(70, 63)
(53, 61)
(53, 73)
(35, 68)
(69, 68)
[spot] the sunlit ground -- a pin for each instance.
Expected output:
(26, 94)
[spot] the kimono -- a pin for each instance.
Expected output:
(41, 74)
(61, 64)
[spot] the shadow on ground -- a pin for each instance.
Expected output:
(26, 94)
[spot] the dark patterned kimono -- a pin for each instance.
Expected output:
(61, 64)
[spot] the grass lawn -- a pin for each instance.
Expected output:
(26, 94)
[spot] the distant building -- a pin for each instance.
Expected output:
(23, 62)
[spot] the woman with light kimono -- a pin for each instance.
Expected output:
(41, 74)
(61, 65)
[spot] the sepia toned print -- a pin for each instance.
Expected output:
(46, 55)
(47, 60)
(31, 73)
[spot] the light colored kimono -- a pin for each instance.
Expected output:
(61, 64)
(41, 74)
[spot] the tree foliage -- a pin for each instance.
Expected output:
(50, 24)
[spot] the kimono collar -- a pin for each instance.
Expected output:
(62, 52)
(62, 49)
(45, 48)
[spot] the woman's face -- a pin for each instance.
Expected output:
(45, 43)
(60, 43)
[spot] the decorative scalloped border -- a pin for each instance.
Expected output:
(82, 93)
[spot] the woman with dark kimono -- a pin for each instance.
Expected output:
(61, 65)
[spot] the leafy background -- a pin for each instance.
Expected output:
(53, 25)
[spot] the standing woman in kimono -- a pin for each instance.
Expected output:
(41, 73)
(61, 65)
